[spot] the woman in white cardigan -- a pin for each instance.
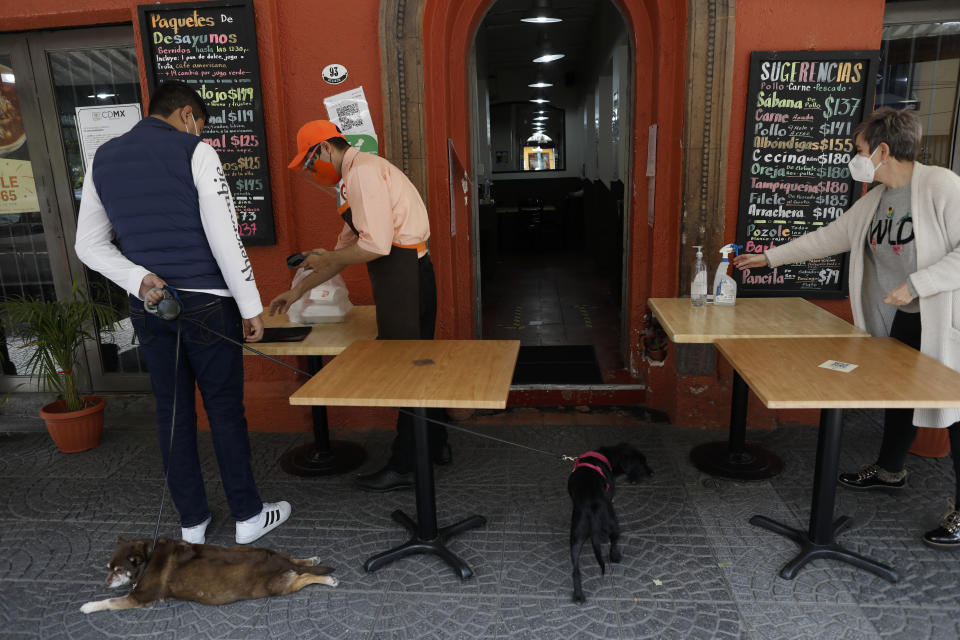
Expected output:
(904, 243)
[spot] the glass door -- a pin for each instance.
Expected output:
(86, 78)
(29, 221)
(84, 88)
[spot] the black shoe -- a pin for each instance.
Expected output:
(947, 535)
(386, 480)
(444, 455)
(873, 477)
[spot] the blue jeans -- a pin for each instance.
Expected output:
(216, 367)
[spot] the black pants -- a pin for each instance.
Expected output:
(216, 367)
(898, 429)
(403, 449)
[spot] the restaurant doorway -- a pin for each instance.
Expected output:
(552, 94)
(65, 92)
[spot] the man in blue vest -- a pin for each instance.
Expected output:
(157, 212)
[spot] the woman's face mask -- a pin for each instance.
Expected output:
(861, 167)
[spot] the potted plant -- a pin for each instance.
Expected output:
(57, 330)
(655, 346)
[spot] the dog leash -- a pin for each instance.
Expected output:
(560, 457)
(173, 421)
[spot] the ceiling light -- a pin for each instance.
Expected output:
(547, 53)
(549, 57)
(102, 95)
(540, 82)
(539, 100)
(541, 13)
(540, 138)
(541, 118)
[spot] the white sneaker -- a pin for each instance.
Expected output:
(197, 534)
(272, 516)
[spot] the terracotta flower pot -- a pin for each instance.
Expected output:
(931, 443)
(74, 431)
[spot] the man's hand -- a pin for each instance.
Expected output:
(252, 329)
(749, 261)
(899, 296)
(282, 302)
(316, 259)
(151, 281)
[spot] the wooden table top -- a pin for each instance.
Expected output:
(749, 318)
(785, 373)
(327, 339)
(465, 374)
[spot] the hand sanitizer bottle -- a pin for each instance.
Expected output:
(698, 286)
(724, 286)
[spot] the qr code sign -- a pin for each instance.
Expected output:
(349, 116)
(348, 109)
(347, 124)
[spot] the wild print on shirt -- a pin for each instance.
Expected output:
(890, 231)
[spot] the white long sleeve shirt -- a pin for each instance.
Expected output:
(95, 248)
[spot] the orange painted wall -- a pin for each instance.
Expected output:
(658, 28)
(296, 39)
(761, 25)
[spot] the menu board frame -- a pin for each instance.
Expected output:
(245, 28)
(837, 289)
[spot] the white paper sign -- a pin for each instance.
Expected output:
(350, 111)
(836, 365)
(96, 125)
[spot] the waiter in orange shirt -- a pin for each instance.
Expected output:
(386, 227)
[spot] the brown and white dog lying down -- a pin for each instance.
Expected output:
(203, 573)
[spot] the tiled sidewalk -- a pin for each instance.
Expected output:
(693, 567)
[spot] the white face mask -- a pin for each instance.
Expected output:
(196, 129)
(861, 167)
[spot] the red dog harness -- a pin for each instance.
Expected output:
(598, 456)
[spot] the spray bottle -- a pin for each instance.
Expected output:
(698, 286)
(724, 286)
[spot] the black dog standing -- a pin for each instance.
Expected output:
(591, 488)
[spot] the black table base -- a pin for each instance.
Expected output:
(752, 463)
(810, 550)
(735, 459)
(437, 546)
(322, 457)
(340, 457)
(426, 537)
(819, 541)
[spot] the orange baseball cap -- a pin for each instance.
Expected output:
(310, 134)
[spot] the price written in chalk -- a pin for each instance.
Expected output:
(834, 107)
(249, 184)
(829, 276)
(244, 140)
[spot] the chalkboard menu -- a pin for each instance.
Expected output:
(212, 46)
(802, 108)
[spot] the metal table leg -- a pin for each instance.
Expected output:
(425, 537)
(322, 457)
(735, 459)
(819, 541)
